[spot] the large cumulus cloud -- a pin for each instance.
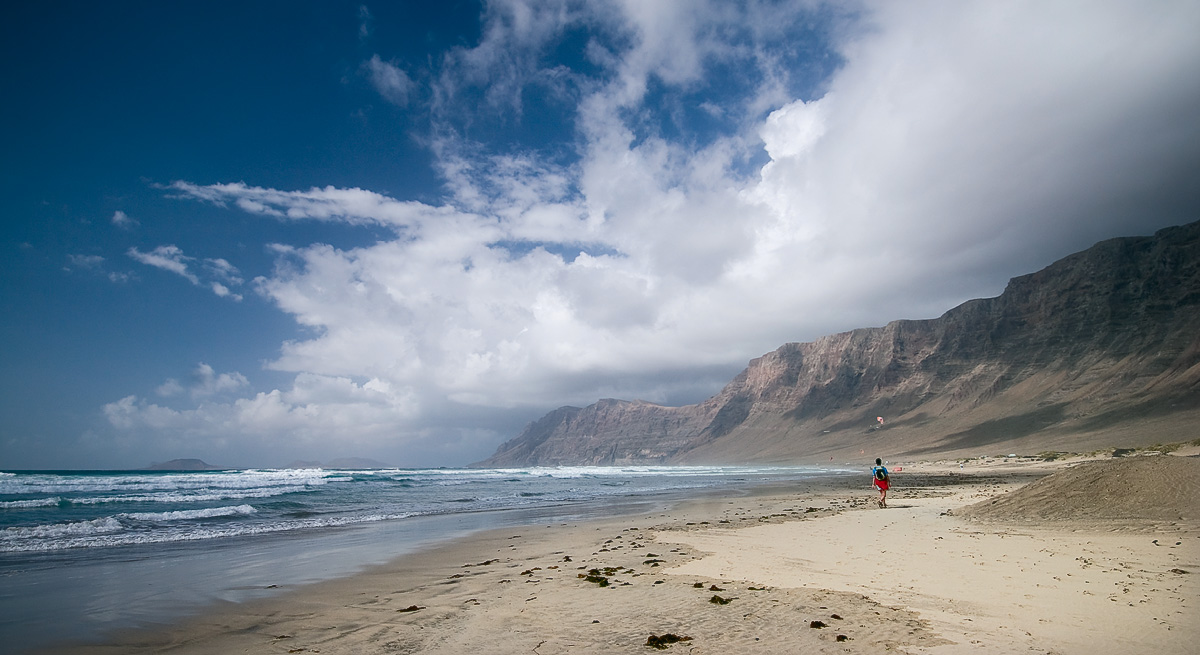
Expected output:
(955, 145)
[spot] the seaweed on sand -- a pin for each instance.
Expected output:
(662, 641)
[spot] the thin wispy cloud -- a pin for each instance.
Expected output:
(171, 258)
(168, 258)
(352, 206)
(90, 262)
(389, 80)
(364, 22)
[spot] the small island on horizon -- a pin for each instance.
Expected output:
(195, 464)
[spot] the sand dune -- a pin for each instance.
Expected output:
(1159, 488)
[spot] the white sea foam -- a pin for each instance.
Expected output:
(49, 483)
(188, 514)
(27, 504)
(103, 525)
(95, 538)
(631, 471)
(189, 497)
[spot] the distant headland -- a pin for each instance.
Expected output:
(192, 464)
(183, 465)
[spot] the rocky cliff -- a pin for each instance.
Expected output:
(1098, 349)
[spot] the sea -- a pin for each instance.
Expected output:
(86, 553)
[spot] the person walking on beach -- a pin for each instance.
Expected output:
(879, 473)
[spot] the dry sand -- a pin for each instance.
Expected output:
(1040, 570)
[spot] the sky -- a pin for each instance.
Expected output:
(262, 232)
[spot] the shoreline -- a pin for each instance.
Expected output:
(136, 569)
(782, 558)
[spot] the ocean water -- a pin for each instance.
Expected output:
(86, 552)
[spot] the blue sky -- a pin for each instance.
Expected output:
(272, 231)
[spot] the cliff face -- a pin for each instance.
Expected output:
(1100, 348)
(608, 432)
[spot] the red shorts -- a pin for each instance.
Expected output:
(882, 484)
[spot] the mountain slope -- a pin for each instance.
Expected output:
(1100, 348)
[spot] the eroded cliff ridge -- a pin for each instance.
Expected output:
(1100, 348)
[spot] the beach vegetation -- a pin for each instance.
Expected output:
(601, 576)
(594, 576)
(661, 642)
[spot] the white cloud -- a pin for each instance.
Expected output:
(957, 145)
(171, 258)
(95, 264)
(228, 273)
(170, 388)
(303, 418)
(364, 22)
(352, 206)
(203, 382)
(793, 129)
(123, 221)
(206, 381)
(515, 37)
(120, 413)
(89, 262)
(224, 270)
(223, 291)
(168, 258)
(389, 80)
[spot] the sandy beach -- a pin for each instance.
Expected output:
(816, 569)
